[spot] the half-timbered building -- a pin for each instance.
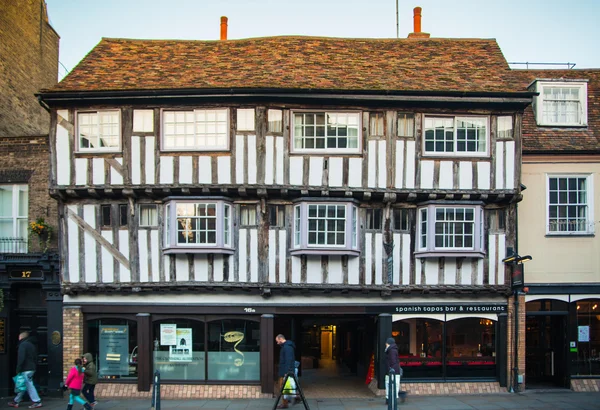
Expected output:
(213, 194)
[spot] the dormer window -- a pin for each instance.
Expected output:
(561, 103)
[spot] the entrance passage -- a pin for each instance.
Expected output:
(545, 359)
(335, 353)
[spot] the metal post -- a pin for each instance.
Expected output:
(156, 391)
(392, 393)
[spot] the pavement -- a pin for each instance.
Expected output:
(538, 400)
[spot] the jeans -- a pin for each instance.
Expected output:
(397, 380)
(88, 392)
(33, 394)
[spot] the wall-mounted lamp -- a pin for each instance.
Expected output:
(515, 258)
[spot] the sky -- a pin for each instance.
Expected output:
(540, 31)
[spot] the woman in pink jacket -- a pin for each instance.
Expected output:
(74, 382)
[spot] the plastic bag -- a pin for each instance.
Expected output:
(289, 389)
(19, 380)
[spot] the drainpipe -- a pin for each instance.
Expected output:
(516, 295)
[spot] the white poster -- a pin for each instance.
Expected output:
(584, 333)
(182, 351)
(168, 334)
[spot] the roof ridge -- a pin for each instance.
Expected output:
(374, 39)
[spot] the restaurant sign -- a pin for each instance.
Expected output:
(439, 308)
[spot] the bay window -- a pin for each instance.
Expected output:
(198, 226)
(326, 132)
(450, 230)
(325, 228)
(456, 135)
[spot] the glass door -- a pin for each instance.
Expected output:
(545, 351)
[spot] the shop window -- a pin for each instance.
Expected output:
(113, 344)
(471, 348)
(233, 350)
(178, 349)
(419, 347)
(587, 361)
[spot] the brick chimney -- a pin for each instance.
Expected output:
(223, 28)
(417, 21)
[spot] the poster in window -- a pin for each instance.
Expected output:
(182, 351)
(114, 350)
(168, 334)
(584, 333)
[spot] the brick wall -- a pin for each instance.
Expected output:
(511, 347)
(28, 63)
(585, 385)
(443, 389)
(182, 391)
(72, 337)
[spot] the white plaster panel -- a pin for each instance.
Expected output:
(296, 171)
(200, 268)
(501, 255)
(368, 257)
(136, 162)
(446, 180)
(89, 244)
(204, 170)
(182, 270)
(431, 272)
(315, 176)
(149, 161)
(379, 259)
(224, 170)
(185, 170)
(465, 172)
(282, 256)
(510, 165)
(252, 164)
(296, 269)
(353, 270)
(500, 165)
(397, 261)
(166, 169)
(98, 171)
(143, 120)
(382, 165)
(492, 258)
(253, 255)
(269, 158)
(218, 268)
(410, 164)
(63, 152)
(399, 183)
(166, 267)
(465, 272)
(427, 174)
(81, 168)
(372, 166)
(239, 159)
(108, 267)
(450, 271)
(155, 255)
(335, 270)
(419, 264)
(143, 250)
(483, 175)
(313, 269)
(336, 171)
(124, 249)
(279, 158)
(479, 272)
(242, 257)
(406, 259)
(115, 177)
(355, 172)
(273, 254)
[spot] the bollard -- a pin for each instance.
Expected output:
(392, 393)
(156, 391)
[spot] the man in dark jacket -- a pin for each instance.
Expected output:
(90, 379)
(392, 362)
(26, 364)
(287, 357)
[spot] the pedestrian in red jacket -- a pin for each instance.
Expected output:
(74, 382)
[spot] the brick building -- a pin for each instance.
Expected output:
(28, 263)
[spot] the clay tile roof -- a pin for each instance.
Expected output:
(414, 65)
(563, 139)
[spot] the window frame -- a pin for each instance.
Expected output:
(540, 85)
(223, 229)
(16, 217)
(300, 235)
(80, 149)
(356, 150)
(454, 152)
(590, 205)
(225, 148)
(152, 209)
(425, 243)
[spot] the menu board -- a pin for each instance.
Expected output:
(114, 350)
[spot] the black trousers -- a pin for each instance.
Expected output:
(88, 392)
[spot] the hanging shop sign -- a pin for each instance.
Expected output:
(440, 308)
(114, 350)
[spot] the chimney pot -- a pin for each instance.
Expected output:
(223, 28)
(417, 22)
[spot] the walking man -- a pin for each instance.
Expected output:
(26, 364)
(392, 362)
(286, 362)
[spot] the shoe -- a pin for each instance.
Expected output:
(386, 401)
(13, 404)
(94, 403)
(36, 405)
(282, 406)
